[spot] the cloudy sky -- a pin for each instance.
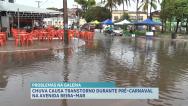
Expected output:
(59, 4)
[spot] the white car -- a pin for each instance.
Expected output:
(118, 31)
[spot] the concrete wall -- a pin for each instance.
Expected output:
(5, 22)
(11, 1)
(118, 13)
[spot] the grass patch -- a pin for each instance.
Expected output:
(137, 33)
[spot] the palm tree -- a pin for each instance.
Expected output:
(85, 4)
(124, 2)
(65, 21)
(137, 2)
(110, 4)
(145, 4)
(153, 3)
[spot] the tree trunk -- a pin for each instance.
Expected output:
(65, 21)
(150, 16)
(137, 13)
(147, 8)
(170, 25)
(137, 10)
(151, 9)
(177, 25)
(111, 9)
(165, 25)
(147, 1)
(187, 26)
(162, 30)
(123, 6)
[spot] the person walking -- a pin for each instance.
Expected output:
(153, 30)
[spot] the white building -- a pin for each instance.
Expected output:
(10, 13)
(58, 21)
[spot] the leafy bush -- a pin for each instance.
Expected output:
(137, 33)
(140, 33)
(97, 13)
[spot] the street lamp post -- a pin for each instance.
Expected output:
(77, 15)
(18, 27)
(65, 21)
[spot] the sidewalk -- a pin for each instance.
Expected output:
(40, 45)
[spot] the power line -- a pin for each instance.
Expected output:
(44, 2)
(38, 2)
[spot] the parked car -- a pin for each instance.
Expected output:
(118, 31)
(88, 27)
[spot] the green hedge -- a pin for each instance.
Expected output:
(140, 33)
(137, 33)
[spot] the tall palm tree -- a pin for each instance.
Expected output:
(137, 2)
(145, 4)
(110, 4)
(85, 4)
(127, 2)
(153, 3)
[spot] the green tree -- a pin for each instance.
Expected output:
(180, 7)
(125, 16)
(137, 2)
(97, 13)
(145, 4)
(124, 2)
(175, 10)
(86, 4)
(167, 13)
(111, 4)
(52, 8)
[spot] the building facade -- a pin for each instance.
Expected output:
(156, 16)
(116, 15)
(16, 15)
(10, 1)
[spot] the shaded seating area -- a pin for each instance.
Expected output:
(147, 22)
(17, 19)
(24, 38)
(3, 38)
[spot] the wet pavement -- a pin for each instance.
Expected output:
(40, 45)
(129, 62)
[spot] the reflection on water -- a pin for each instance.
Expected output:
(128, 62)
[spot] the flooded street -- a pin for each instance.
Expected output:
(128, 62)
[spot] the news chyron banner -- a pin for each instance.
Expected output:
(89, 90)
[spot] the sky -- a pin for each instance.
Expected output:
(59, 4)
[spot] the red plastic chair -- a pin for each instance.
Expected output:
(2, 38)
(30, 38)
(15, 36)
(90, 35)
(87, 33)
(42, 34)
(60, 34)
(23, 37)
(82, 34)
(70, 34)
(1, 41)
(77, 33)
(51, 35)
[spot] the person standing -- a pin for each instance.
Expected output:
(153, 30)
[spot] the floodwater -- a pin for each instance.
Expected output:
(128, 62)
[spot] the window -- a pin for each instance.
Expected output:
(133, 17)
(11, 1)
(140, 18)
(116, 17)
(49, 22)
